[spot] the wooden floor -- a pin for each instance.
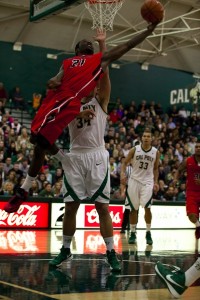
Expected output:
(25, 272)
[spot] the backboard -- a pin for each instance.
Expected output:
(42, 9)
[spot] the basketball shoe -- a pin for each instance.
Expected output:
(113, 261)
(14, 203)
(63, 256)
(174, 280)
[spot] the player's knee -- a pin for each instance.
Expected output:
(102, 209)
(71, 208)
(40, 142)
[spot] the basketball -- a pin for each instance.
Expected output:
(152, 11)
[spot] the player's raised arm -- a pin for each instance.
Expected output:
(104, 86)
(118, 51)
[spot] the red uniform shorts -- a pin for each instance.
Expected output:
(53, 116)
(193, 203)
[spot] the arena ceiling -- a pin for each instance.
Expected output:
(174, 44)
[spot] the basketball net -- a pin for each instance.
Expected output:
(103, 12)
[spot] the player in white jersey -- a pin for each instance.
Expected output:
(145, 161)
(86, 171)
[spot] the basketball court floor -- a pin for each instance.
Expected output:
(25, 272)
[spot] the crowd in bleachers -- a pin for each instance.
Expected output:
(175, 134)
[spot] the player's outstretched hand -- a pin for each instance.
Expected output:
(53, 84)
(152, 26)
(100, 35)
(87, 114)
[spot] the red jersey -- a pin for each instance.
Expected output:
(193, 172)
(81, 74)
(61, 106)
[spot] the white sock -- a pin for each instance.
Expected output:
(109, 243)
(133, 227)
(197, 224)
(148, 227)
(59, 155)
(193, 273)
(67, 241)
(27, 182)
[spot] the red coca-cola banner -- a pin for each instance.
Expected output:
(29, 215)
(24, 241)
(92, 218)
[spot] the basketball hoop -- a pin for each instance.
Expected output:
(103, 12)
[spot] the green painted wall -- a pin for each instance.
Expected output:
(30, 69)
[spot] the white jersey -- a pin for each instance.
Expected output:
(88, 134)
(143, 165)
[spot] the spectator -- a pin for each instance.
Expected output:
(171, 125)
(12, 152)
(24, 166)
(17, 98)
(23, 138)
(3, 94)
(34, 190)
(8, 165)
(182, 194)
(114, 116)
(58, 175)
(19, 173)
(8, 188)
(47, 191)
(170, 194)
(48, 175)
(16, 126)
(37, 97)
(12, 177)
(57, 189)
(40, 179)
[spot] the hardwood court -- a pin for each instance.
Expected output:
(25, 273)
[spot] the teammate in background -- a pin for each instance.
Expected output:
(192, 166)
(86, 170)
(77, 77)
(145, 161)
(178, 281)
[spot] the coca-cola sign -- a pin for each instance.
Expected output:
(92, 217)
(29, 215)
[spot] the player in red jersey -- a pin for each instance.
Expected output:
(77, 77)
(192, 166)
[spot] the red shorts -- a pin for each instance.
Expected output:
(193, 203)
(53, 116)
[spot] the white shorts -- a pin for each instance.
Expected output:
(87, 175)
(138, 194)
